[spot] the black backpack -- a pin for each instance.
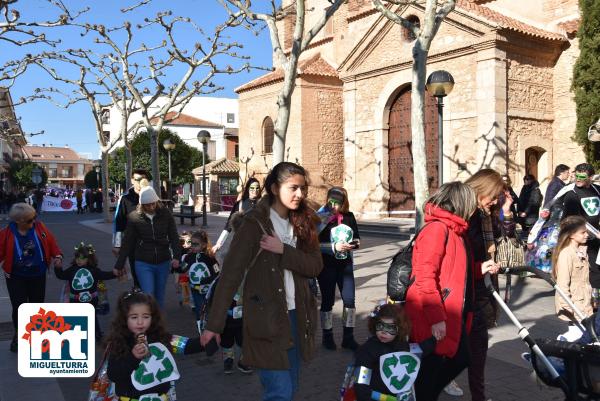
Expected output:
(400, 271)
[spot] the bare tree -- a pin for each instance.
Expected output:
(199, 61)
(20, 32)
(434, 14)
(302, 38)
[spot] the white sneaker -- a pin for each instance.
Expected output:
(453, 389)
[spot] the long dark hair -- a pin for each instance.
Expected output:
(397, 314)
(120, 338)
(202, 236)
(88, 252)
(568, 227)
(304, 220)
(246, 193)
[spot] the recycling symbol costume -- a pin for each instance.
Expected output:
(399, 371)
(83, 280)
(156, 368)
(198, 271)
(591, 205)
(341, 233)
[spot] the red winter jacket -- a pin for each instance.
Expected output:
(7, 245)
(439, 271)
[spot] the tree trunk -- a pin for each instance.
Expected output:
(128, 167)
(154, 159)
(281, 126)
(418, 130)
(105, 188)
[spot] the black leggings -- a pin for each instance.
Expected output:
(343, 277)
(23, 290)
(231, 335)
(437, 371)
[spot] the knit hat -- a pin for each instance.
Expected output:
(148, 195)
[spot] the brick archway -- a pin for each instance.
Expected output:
(400, 165)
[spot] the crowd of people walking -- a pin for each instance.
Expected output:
(258, 287)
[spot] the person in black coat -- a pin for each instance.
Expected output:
(530, 201)
(127, 204)
(339, 236)
(561, 175)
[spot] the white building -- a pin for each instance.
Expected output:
(219, 116)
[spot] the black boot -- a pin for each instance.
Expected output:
(348, 342)
(328, 341)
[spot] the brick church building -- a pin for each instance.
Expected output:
(511, 108)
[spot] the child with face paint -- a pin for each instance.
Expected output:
(385, 368)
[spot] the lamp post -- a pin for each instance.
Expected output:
(203, 138)
(169, 147)
(440, 83)
(98, 168)
(36, 176)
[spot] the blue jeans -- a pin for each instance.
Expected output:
(281, 385)
(199, 300)
(153, 279)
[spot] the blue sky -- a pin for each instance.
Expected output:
(74, 126)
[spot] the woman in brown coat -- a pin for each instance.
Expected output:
(276, 252)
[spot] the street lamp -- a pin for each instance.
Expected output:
(169, 147)
(203, 138)
(440, 83)
(36, 176)
(98, 168)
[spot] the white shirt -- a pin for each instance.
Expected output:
(285, 231)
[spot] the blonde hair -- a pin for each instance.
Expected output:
(569, 226)
(457, 198)
(486, 182)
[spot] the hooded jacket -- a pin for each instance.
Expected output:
(266, 326)
(440, 266)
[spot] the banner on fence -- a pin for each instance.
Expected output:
(55, 204)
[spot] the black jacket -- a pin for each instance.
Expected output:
(206, 277)
(120, 368)
(530, 201)
(127, 204)
(325, 239)
(555, 185)
(77, 286)
(155, 241)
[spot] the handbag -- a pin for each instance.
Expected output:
(101, 388)
(510, 252)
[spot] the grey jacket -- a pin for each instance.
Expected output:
(155, 241)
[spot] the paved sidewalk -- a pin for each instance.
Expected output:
(202, 378)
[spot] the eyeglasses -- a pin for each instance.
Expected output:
(138, 179)
(389, 328)
(254, 188)
(581, 176)
(131, 293)
(196, 243)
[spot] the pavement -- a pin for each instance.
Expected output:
(507, 376)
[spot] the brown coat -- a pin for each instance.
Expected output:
(573, 277)
(267, 334)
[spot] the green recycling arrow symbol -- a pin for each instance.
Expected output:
(166, 372)
(388, 364)
(83, 280)
(141, 376)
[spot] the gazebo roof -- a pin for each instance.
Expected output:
(220, 166)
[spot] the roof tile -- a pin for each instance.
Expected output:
(220, 166)
(50, 153)
(186, 120)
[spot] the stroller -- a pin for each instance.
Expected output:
(581, 377)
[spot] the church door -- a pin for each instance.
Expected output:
(401, 173)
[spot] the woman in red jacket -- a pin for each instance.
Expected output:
(439, 302)
(27, 249)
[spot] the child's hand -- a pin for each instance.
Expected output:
(175, 264)
(140, 351)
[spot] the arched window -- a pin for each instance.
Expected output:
(407, 34)
(268, 132)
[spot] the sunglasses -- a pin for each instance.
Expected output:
(138, 179)
(389, 328)
(254, 188)
(131, 293)
(581, 176)
(31, 220)
(196, 243)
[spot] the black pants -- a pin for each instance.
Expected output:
(478, 347)
(131, 257)
(25, 290)
(343, 277)
(232, 334)
(437, 371)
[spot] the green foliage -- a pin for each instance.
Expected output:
(184, 158)
(586, 77)
(20, 173)
(91, 179)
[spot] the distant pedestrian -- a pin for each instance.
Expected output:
(127, 204)
(98, 200)
(530, 201)
(79, 199)
(27, 249)
(89, 200)
(279, 309)
(152, 232)
(38, 198)
(339, 237)
(561, 176)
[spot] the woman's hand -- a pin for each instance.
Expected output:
(508, 201)
(208, 335)
(489, 266)
(271, 243)
(439, 330)
(140, 351)
(343, 247)
(175, 264)
(58, 262)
